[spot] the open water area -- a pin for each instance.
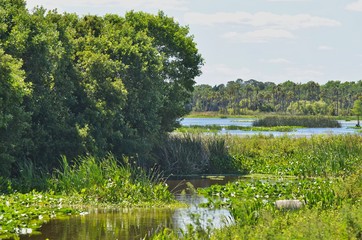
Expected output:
(346, 127)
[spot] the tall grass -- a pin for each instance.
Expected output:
(182, 154)
(108, 181)
(325, 155)
(303, 121)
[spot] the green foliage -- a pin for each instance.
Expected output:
(357, 109)
(252, 97)
(99, 84)
(108, 181)
(14, 120)
(305, 121)
(303, 157)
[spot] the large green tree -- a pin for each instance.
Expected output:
(99, 84)
(14, 121)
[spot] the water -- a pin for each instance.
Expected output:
(138, 223)
(346, 127)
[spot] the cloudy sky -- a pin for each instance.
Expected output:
(267, 40)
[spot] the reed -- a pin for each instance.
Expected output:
(109, 181)
(182, 154)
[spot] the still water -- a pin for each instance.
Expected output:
(346, 127)
(139, 223)
(143, 223)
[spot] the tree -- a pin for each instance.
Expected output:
(14, 121)
(357, 109)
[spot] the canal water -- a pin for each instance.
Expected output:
(139, 223)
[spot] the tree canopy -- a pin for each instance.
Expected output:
(74, 85)
(311, 98)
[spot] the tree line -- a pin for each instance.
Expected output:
(90, 85)
(334, 98)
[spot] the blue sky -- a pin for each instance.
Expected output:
(266, 40)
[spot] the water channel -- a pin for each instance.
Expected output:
(138, 223)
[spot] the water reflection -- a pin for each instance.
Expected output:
(138, 223)
(108, 224)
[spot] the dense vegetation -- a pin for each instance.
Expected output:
(89, 182)
(322, 172)
(74, 86)
(245, 97)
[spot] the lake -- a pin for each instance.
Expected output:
(346, 127)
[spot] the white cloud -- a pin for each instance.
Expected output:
(259, 36)
(276, 61)
(304, 74)
(288, 0)
(261, 19)
(324, 48)
(214, 74)
(111, 5)
(355, 6)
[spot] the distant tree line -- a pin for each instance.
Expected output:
(89, 85)
(334, 98)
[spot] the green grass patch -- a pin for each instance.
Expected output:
(110, 181)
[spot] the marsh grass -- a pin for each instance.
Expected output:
(303, 121)
(323, 156)
(109, 181)
(327, 179)
(181, 154)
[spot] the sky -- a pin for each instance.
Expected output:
(266, 40)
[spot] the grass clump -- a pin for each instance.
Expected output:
(303, 121)
(184, 154)
(109, 181)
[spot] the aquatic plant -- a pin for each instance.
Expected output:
(25, 213)
(304, 121)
